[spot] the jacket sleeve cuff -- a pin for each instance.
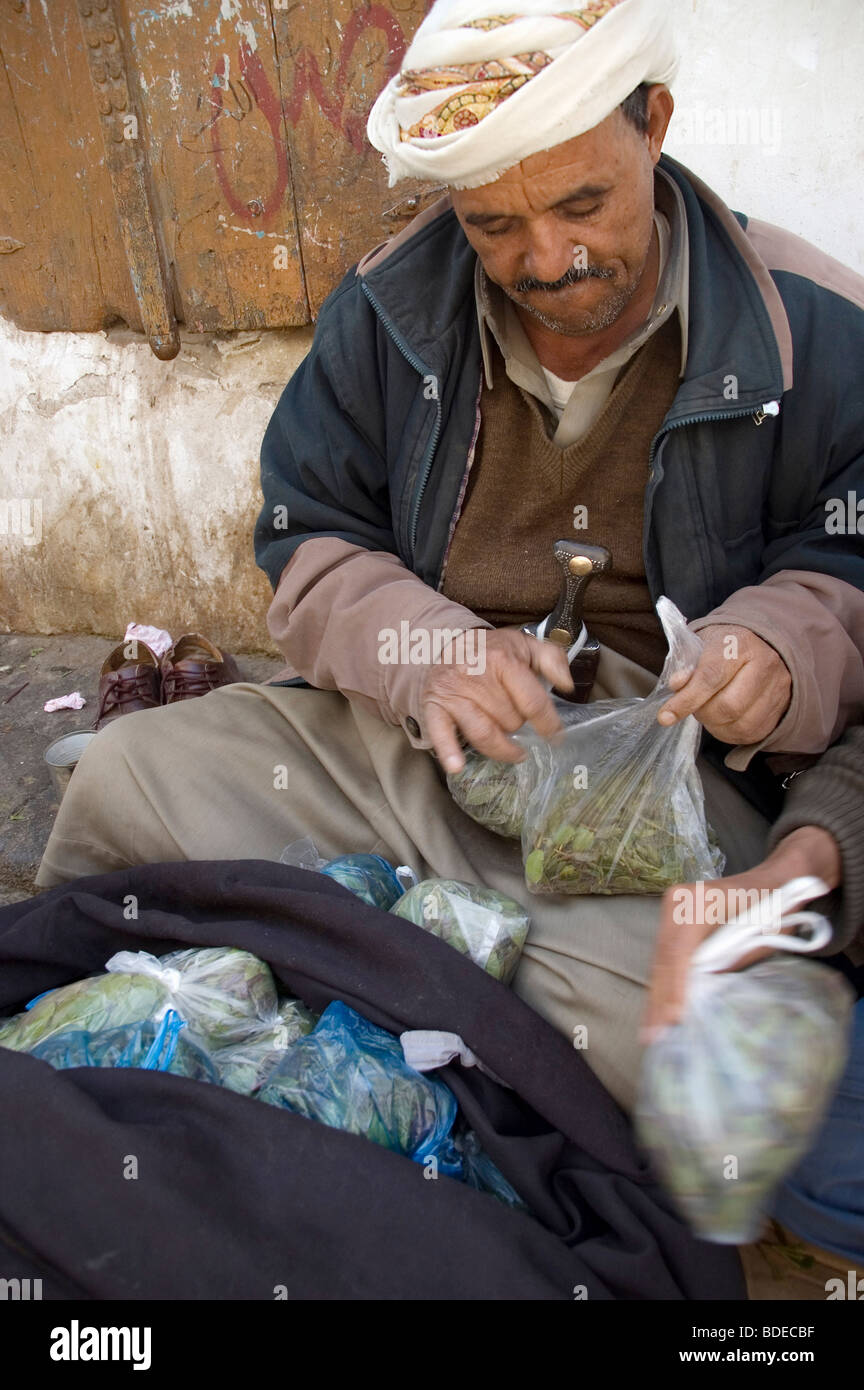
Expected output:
(831, 796)
(815, 623)
(444, 633)
(740, 757)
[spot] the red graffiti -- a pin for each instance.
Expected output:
(307, 77)
(257, 82)
(307, 80)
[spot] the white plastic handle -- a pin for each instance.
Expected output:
(745, 933)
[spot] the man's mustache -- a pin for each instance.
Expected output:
(572, 277)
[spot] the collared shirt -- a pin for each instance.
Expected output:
(578, 405)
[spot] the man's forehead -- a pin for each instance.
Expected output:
(583, 167)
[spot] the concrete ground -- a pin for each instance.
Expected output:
(34, 669)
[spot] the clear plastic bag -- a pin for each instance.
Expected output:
(92, 1005)
(370, 877)
(245, 1066)
(731, 1097)
(147, 1046)
(497, 794)
(222, 993)
(350, 1075)
(623, 809)
(487, 926)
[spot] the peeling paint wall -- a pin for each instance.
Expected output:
(129, 486)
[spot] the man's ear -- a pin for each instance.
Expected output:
(659, 108)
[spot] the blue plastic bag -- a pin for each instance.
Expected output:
(481, 1173)
(148, 1046)
(350, 1075)
(370, 877)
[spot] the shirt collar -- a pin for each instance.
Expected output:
(496, 316)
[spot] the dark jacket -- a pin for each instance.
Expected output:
(370, 438)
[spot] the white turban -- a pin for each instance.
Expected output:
(484, 85)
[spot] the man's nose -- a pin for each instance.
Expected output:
(548, 256)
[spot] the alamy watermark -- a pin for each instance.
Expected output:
(437, 646)
(759, 127)
(714, 907)
(77, 1343)
(20, 1290)
(851, 1288)
(844, 516)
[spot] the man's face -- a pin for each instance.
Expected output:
(566, 233)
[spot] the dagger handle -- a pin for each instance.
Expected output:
(579, 564)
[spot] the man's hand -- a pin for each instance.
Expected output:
(739, 691)
(487, 708)
(808, 851)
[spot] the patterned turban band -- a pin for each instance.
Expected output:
(484, 86)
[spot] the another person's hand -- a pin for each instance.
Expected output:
(486, 708)
(739, 690)
(805, 852)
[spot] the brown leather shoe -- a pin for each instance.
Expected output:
(194, 666)
(127, 684)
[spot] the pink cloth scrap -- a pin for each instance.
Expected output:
(156, 638)
(74, 701)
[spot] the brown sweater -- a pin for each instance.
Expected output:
(524, 490)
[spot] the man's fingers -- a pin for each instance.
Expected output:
(533, 702)
(487, 737)
(682, 929)
(483, 731)
(441, 732)
(668, 989)
(743, 712)
(549, 661)
(711, 675)
(511, 694)
(680, 678)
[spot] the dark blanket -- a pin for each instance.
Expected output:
(235, 1199)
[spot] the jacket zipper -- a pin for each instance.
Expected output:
(422, 368)
(759, 417)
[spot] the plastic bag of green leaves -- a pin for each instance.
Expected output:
(100, 1002)
(497, 794)
(224, 994)
(487, 926)
(245, 1066)
(350, 1075)
(368, 876)
(148, 1046)
(623, 809)
(731, 1097)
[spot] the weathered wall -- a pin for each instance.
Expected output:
(144, 476)
(796, 64)
(147, 472)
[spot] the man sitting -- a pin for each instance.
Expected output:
(579, 339)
